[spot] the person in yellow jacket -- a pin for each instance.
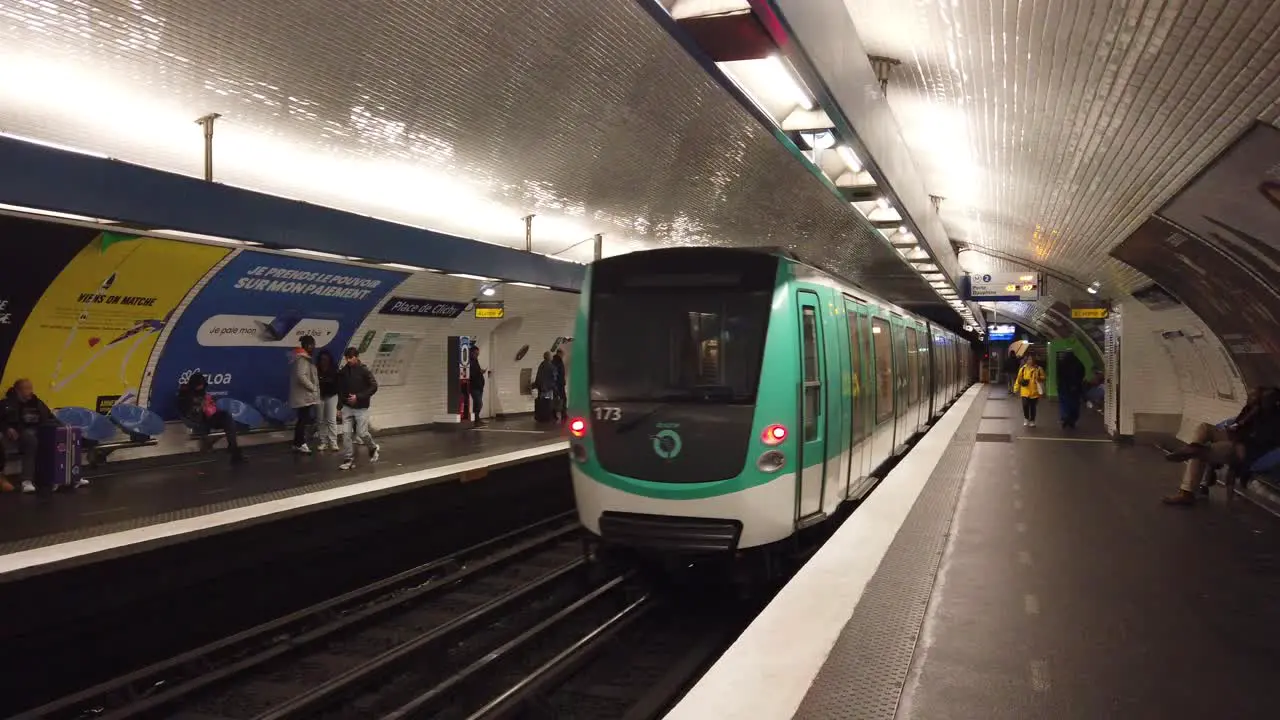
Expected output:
(1030, 385)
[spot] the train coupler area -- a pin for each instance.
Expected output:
(682, 535)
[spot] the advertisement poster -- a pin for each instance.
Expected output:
(87, 340)
(241, 329)
(1215, 286)
(43, 250)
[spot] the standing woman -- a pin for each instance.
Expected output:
(1030, 385)
(327, 371)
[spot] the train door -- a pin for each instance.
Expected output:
(902, 424)
(860, 384)
(885, 391)
(812, 391)
(915, 397)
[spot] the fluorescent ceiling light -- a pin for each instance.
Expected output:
(488, 291)
(882, 203)
(55, 214)
(402, 266)
(530, 285)
(481, 278)
(850, 158)
(784, 76)
(183, 234)
(320, 254)
(1092, 290)
(54, 145)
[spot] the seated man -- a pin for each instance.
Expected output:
(199, 411)
(1252, 434)
(21, 413)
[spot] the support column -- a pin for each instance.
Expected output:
(528, 233)
(598, 253)
(206, 122)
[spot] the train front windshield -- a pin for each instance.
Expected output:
(679, 337)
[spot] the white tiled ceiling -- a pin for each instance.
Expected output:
(458, 116)
(1055, 127)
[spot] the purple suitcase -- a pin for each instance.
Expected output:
(58, 461)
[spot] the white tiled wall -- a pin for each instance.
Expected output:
(533, 316)
(1190, 375)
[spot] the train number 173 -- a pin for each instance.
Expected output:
(613, 414)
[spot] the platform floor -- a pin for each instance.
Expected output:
(134, 495)
(1066, 590)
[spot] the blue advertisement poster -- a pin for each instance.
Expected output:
(240, 330)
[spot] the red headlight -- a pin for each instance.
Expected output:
(774, 434)
(578, 427)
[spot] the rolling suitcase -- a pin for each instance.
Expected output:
(58, 458)
(542, 408)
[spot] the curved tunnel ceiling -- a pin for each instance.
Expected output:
(460, 118)
(1055, 129)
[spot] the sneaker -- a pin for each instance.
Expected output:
(1026, 423)
(347, 464)
(1031, 424)
(373, 456)
(305, 450)
(82, 482)
(28, 486)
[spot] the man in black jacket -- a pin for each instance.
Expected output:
(21, 413)
(356, 386)
(1070, 388)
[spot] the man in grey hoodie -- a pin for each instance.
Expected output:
(304, 390)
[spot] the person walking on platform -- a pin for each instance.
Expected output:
(1030, 385)
(1238, 443)
(1070, 389)
(200, 413)
(327, 373)
(304, 391)
(561, 394)
(1011, 371)
(356, 386)
(21, 414)
(476, 387)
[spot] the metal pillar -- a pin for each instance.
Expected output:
(206, 122)
(528, 233)
(599, 247)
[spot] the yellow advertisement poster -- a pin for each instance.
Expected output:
(87, 341)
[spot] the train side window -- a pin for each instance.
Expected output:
(882, 343)
(812, 381)
(913, 366)
(855, 370)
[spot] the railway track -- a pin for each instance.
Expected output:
(299, 664)
(521, 626)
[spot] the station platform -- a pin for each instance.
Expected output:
(132, 506)
(1009, 572)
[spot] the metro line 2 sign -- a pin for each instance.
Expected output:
(1007, 287)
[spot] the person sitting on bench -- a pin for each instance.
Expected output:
(199, 411)
(1239, 443)
(21, 413)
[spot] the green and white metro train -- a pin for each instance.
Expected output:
(727, 399)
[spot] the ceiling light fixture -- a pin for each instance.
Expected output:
(184, 235)
(54, 145)
(788, 79)
(882, 203)
(319, 254)
(402, 266)
(54, 214)
(850, 158)
(465, 276)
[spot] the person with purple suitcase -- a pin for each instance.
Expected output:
(24, 418)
